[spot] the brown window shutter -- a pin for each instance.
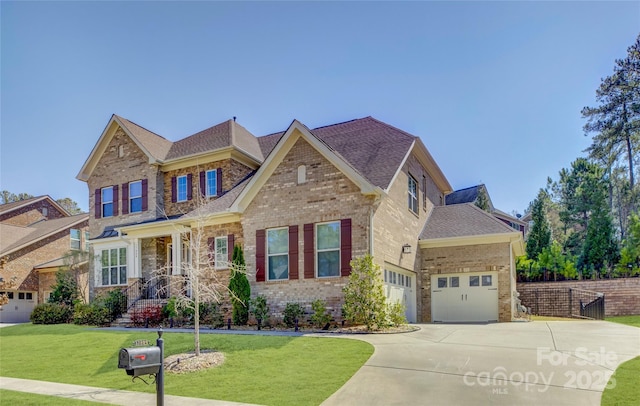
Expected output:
(211, 243)
(145, 194)
(293, 252)
(125, 198)
(189, 186)
(174, 190)
(115, 200)
(345, 247)
(219, 181)
(97, 204)
(203, 183)
(309, 249)
(260, 259)
(230, 242)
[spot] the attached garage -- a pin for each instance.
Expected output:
(400, 287)
(464, 297)
(19, 308)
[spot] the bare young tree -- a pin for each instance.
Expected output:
(202, 281)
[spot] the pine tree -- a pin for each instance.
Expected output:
(239, 288)
(539, 237)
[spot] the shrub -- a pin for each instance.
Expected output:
(150, 314)
(65, 291)
(91, 314)
(210, 315)
(51, 313)
(320, 316)
(396, 314)
(292, 311)
(240, 289)
(115, 302)
(364, 299)
(260, 309)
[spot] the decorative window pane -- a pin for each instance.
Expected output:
(182, 188)
(413, 194)
(107, 202)
(328, 249)
(278, 253)
(454, 281)
(442, 283)
(486, 280)
(86, 241)
(114, 266)
(474, 281)
(222, 253)
(212, 183)
(75, 239)
(135, 197)
(29, 296)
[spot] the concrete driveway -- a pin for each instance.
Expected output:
(520, 363)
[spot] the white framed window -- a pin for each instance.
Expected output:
(86, 241)
(114, 266)
(278, 253)
(328, 249)
(212, 183)
(222, 253)
(135, 197)
(75, 239)
(413, 194)
(107, 201)
(182, 188)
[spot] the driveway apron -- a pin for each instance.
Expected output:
(520, 363)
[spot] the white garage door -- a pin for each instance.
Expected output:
(464, 297)
(19, 308)
(400, 287)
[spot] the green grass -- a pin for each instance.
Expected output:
(551, 318)
(13, 398)
(629, 320)
(623, 388)
(266, 370)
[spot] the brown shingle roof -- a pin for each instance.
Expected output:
(35, 232)
(461, 220)
(155, 144)
(226, 134)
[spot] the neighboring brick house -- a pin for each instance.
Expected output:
(471, 195)
(301, 203)
(35, 235)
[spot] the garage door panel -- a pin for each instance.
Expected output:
(467, 297)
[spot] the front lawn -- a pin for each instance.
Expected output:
(13, 398)
(623, 388)
(266, 370)
(629, 320)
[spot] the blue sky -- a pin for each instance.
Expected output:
(493, 89)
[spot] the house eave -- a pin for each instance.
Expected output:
(514, 238)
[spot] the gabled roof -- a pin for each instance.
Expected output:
(462, 220)
(223, 135)
(15, 238)
(9, 207)
(152, 144)
(467, 195)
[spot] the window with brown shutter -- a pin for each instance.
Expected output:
(115, 200)
(125, 198)
(219, 181)
(97, 204)
(293, 252)
(174, 189)
(260, 255)
(345, 247)
(189, 186)
(145, 194)
(309, 249)
(230, 246)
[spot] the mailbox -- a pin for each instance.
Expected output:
(140, 361)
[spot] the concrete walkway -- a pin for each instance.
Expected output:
(550, 363)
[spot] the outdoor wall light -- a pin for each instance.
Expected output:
(406, 249)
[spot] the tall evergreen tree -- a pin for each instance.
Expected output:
(539, 237)
(482, 200)
(600, 248)
(239, 288)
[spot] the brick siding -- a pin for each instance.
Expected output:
(31, 213)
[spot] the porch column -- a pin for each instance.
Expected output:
(176, 248)
(136, 259)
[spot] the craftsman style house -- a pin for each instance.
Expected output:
(301, 203)
(35, 237)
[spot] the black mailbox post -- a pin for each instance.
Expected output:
(139, 361)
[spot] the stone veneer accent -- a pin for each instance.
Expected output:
(466, 259)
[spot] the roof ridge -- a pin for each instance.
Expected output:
(144, 128)
(489, 215)
(343, 122)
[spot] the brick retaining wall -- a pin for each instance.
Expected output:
(622, 296)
